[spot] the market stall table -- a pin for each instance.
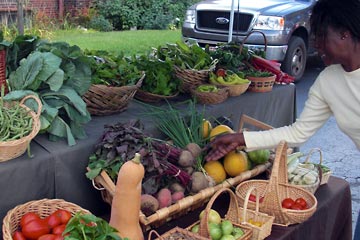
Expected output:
(58, 170)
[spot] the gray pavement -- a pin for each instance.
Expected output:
(339, 152)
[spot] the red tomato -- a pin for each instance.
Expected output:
(35, 229)
(302, 203)
(59, 229)
(221, 72)
(47, 237)
(59, 237)
(296, 206)
(287, 203)
(64, 215)
(28, 217)
(252, 198)
(18, 236)
(53, 220)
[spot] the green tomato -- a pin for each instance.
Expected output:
(195, 229)
(214, 216)
(228, 237)
(237, 232)
(215, 231)
(227, 227)
(259, 156)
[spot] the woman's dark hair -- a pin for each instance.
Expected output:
(339, 14)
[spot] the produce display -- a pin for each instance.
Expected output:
(301, 173)
(219, 228)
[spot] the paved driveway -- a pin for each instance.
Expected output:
(339, 153)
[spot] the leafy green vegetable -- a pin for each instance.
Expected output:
(59, 74)
(89, 227)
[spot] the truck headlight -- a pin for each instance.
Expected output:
(269, 23)
(190, 16)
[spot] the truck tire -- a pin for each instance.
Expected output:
(295, 60)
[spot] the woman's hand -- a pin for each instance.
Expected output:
(224, 144)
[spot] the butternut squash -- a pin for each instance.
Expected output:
(125, 207)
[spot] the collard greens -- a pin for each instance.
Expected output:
(59, 75)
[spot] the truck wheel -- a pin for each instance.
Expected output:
(295, 60)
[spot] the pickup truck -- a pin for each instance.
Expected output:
(285, 24)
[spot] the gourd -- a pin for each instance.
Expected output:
(125, 207)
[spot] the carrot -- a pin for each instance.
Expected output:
(125, 207)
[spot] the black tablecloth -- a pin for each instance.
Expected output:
(58, 170)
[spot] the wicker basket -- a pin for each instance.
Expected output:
(275, 190)
(210, 97)
(105, 100)
(3, 70)
(236, 89)
(191, 78)
(233, 214)
(259, 232)
(15, 148)
(324, 177)
(261, 84)
(176, 233)
(43, 208)
(151, 97)
(104, 184)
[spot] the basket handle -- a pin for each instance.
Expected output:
(232, 214)
(307, 160)
(251, 189)
(155, 233)
(254, 31)
(39, 108)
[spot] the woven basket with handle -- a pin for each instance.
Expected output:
(248, 217)
(105, 100)
(324, 176)
(43, 208)
(176, 233)
(233, 214)
(275, 190)
(15, 148)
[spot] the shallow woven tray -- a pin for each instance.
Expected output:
(15, 148)
(104, 184)
(236, 89)
(176, 233)
(151, 97)
(275, 190)
(43, 208)
(105, 100)
(210, 97)
(233, 214)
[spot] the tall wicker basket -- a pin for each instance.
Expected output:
(43, 208)
(275, 190)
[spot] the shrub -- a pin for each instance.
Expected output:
(101, 24)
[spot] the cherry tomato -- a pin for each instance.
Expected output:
(296, 206)
(53, 220)
(287, 203)
(302, 203)
(28, 217)
(64, 215)
(35, 229)
(18, 236)
(59, 229)
(47, 237)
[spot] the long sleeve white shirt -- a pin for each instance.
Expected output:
(334, 92)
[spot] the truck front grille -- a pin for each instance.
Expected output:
(206, 21)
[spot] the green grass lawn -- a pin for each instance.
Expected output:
(129, 42)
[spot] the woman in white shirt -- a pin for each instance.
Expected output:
(336, 27)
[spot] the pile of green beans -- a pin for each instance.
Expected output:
(15, 122)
